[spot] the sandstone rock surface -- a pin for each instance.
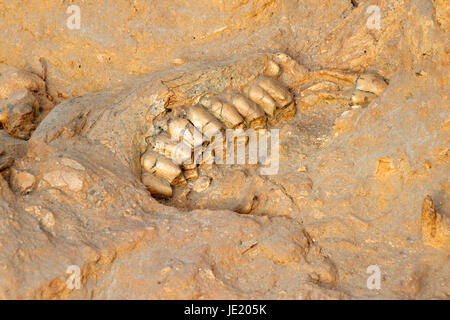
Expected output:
(373, 188)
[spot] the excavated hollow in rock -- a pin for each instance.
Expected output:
(83, 158)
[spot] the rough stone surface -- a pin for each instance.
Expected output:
(375, 192)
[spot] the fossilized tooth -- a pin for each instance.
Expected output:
(313, 97)
(362, 97)
(179, 152)
(223, 111)
(207, 153)
(190, 171)
(3, 114)
(179, 181)
(204, 121)
(201, 184)
(236, 137)
(322, 85)
(159, 165)
(342, 77)
(238, 140)
(245, 208)
(262, 98)
(290, 65)
(371, 82)
(182, 130)
(190, 166)
(272, 69)
(157, 186)
(247, 108)
(5, 162)
(20, 121)
(276, 90)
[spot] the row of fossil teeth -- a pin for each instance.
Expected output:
(169, 159)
